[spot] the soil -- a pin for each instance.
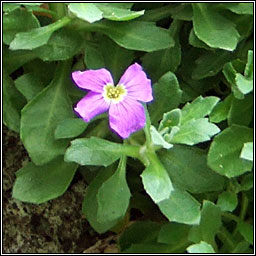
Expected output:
(57, 226)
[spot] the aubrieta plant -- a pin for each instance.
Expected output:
(126, 115)
(152, 103)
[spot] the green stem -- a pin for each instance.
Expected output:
(122, 165)
(149, 143)
(243, 211)
(59, 9)
(132, 151)
(81, 25)
(226, 238)
(153, 158)
(231, 216)
(61, 22)
(244, 206)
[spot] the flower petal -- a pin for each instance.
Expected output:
(93, 80)
(137, 84)
(91, 105)
(126, 117)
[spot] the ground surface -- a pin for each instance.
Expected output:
(53, 227)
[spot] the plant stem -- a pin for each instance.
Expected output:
(132, 151)
(244, 206)
(231, 216)
(243, 211)
(59, 9)
(60, 23)
(226, 238)
(149, 143)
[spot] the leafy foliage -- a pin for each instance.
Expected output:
(38, 184)
(194, 184)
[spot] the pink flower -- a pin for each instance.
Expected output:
(126, 113)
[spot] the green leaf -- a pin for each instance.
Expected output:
(86, 11)
(38, 184)
(193, 88)
(170, 119)
(167, 96)
(246, 231)
(183, 11)
(221, 110)
(230, 74)
(38, 36)
(156, 180)
(29, 85)
(114, 195)
(247, 181)
(247, 151)
(12, 60)
(158, 139)
(12, 104)
(93, 57)
(244, 85)
(181, 207)
(241, 247)
(239, 8)
(93, 151)
(173, 233)
(90, 205)
(196, 42)
(70, 128)
(241, 111)
(224, 152)
(115, 13)
(195, 131)
(42, 114)
(209, 64)
(227, 201)
(116, 59)
(156, 11)
(168, 136)
(201, 247)
(157, 63)
(248, 72)
(9, 7)
(96, 151)
(188, 169)
(213, 28)
(199, 108)
(135, 35)
(139, 232)
(209, 224)
(63, 44)
(43, 70)
(244, 26)
(19, 20)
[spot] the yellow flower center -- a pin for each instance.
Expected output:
(113, 93)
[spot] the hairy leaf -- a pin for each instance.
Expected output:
(224, 152)
(38, 184)
(39, 120)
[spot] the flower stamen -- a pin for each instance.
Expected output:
(113, 93)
